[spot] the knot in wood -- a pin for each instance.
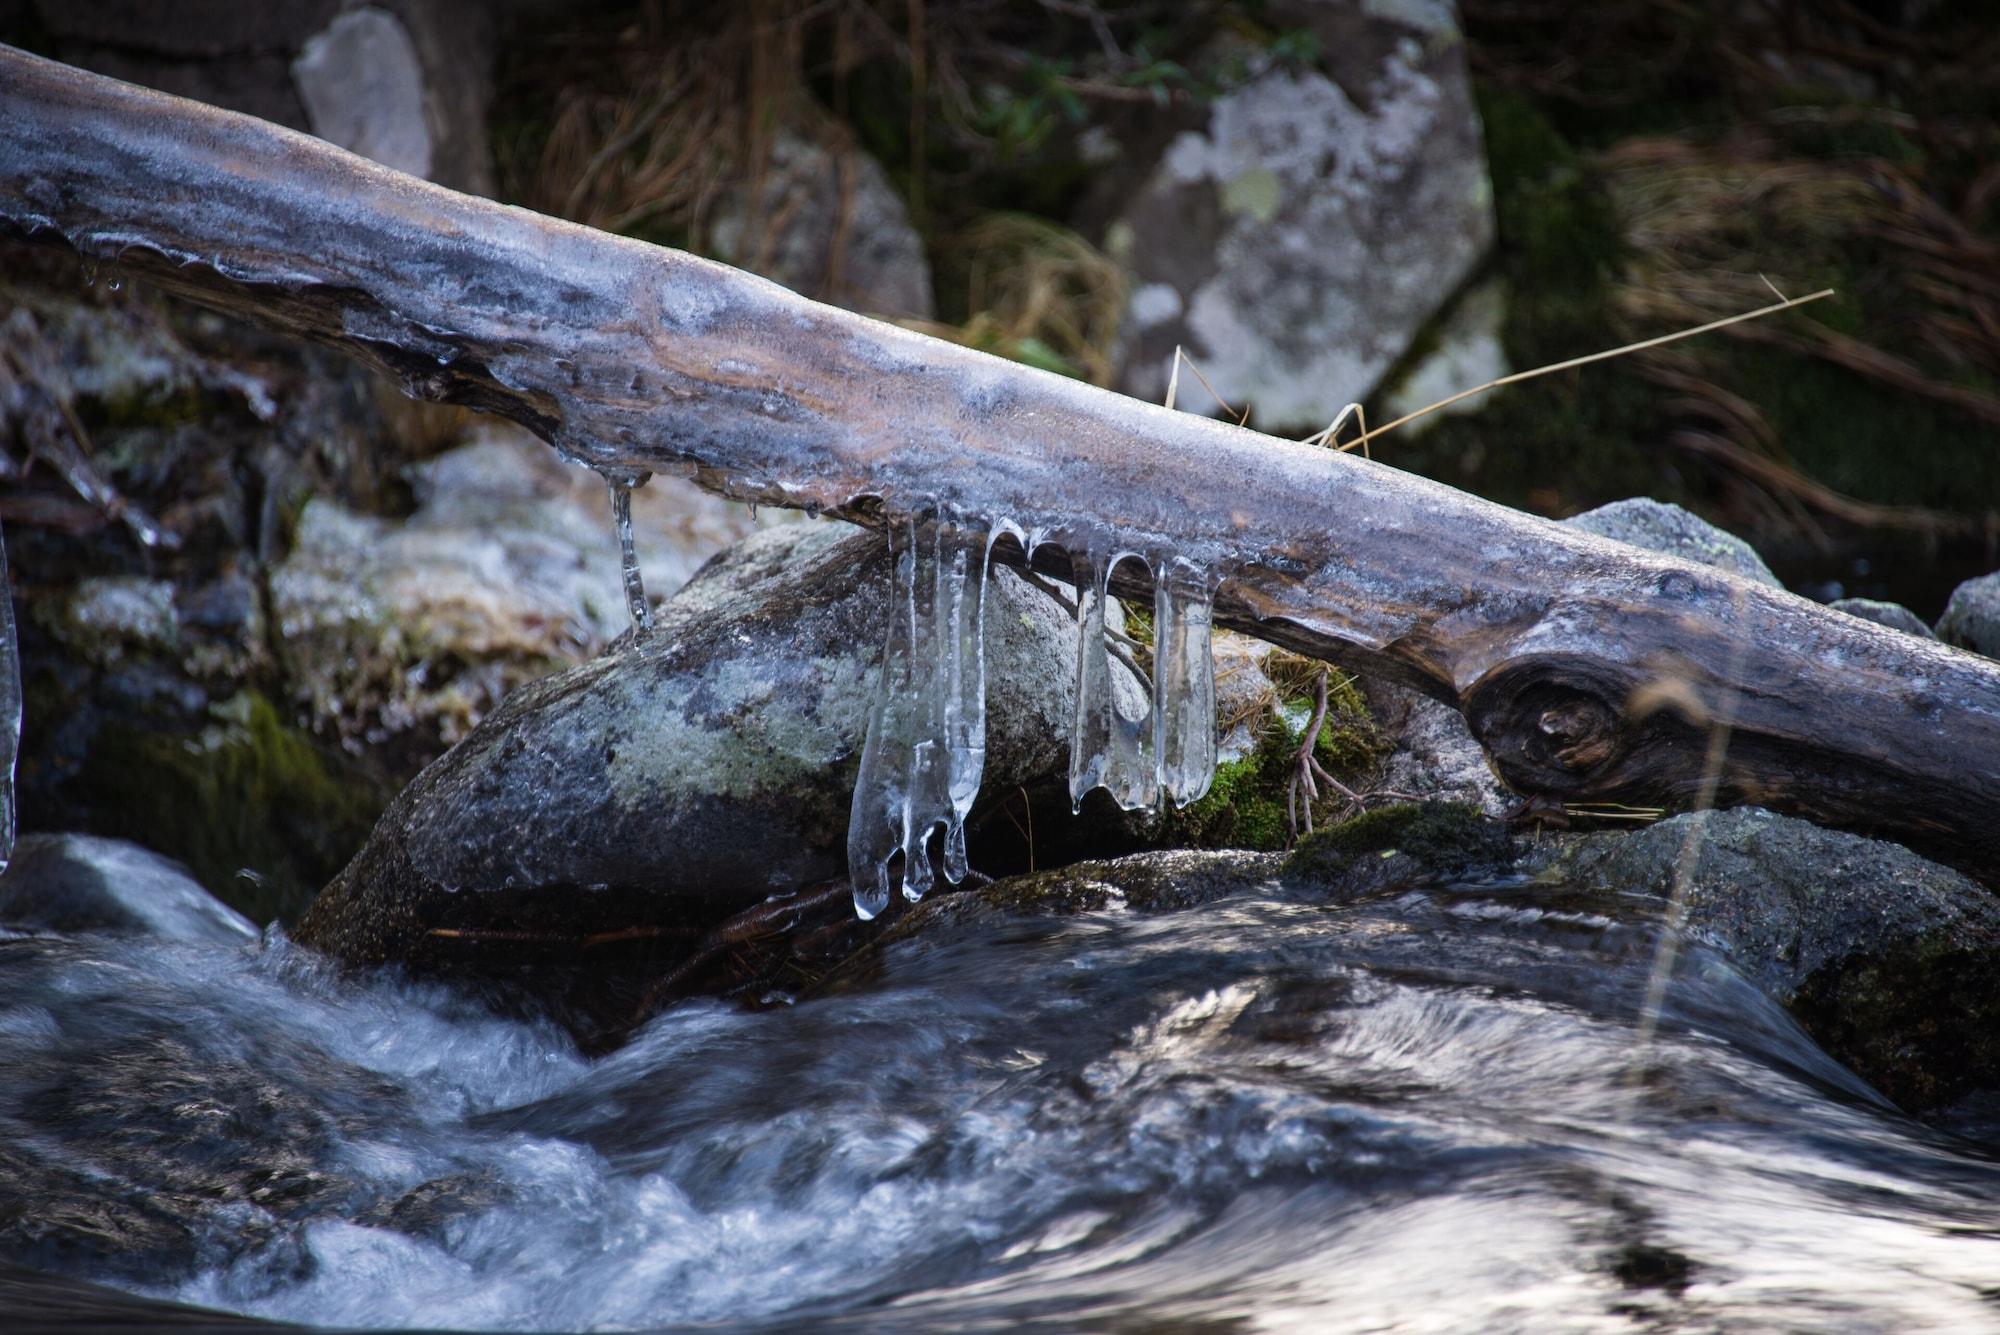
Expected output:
(1582, 734)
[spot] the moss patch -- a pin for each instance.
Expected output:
(254, 808)
(1245, 806)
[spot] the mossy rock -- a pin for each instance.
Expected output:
(1402, 844)
(260, 815)
(1245, 806)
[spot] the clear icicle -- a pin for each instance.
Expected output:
(628, 553)
(1107, 748)
(1183, 683)
(10, 712)
(926, 744)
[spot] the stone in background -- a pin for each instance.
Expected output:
(1298, 240)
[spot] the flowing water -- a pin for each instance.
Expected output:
(1428, 1111)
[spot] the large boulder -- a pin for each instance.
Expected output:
(1299, 238)
(1891, 962)
(701, 769)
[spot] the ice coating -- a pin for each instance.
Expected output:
(10, 711)
(628, 553)
(926, 743)
(1107, 748)
(1183, 683)
(1170, 751)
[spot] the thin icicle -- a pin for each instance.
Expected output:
(10, 711)
(926, 744)
(1183, 683)
(1107, 748)
(636, 601)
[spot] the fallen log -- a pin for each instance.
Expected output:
(1589, 670)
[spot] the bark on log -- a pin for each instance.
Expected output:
(1588, 669)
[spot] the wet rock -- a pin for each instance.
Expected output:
(72, 883)
(1660, 527)
(1971, 619)
(689, 775)
(1893, 615)
(1401, 845)
(1299, 238)
(827, 224)
(1891, 962)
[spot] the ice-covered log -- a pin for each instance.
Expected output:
(1588, 669)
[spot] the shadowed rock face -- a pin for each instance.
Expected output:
(700, 770)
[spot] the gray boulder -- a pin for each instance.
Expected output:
(1672, 531)
(1298, 239)
(1972, 618)
(1893, 615)
(1891, 962)
(72, 883)
(828, 225)
(695, 772)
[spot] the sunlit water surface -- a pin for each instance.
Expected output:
(1434, 1111)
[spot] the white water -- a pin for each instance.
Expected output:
(926, 744)
(10, 711)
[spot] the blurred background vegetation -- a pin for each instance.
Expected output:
(1655, 164)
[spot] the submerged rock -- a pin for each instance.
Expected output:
(1972, 618)
(692, 774)
(1298, 240)
(1891, 962)
(82, 883)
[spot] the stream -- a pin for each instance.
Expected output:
(1440, 1109)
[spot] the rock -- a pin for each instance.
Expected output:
(72, 883)
(1297, 241)
(1971, 619)
(1672, 531)
(1891, 962)
(1435, 757)
(508, 570)
(363, 89)
(405, 82)
(1893, 615)
(829, 226)
(1469, 353)
(689, 775)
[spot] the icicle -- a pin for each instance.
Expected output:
(1107, 749)
(10, 712)
(1183, 683)
(628, 553)
(926, 744)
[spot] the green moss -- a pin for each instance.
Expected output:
(1245, 806)
(1438, 838)
(251, 805)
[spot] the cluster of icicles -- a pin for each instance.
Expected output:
(926, 745)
